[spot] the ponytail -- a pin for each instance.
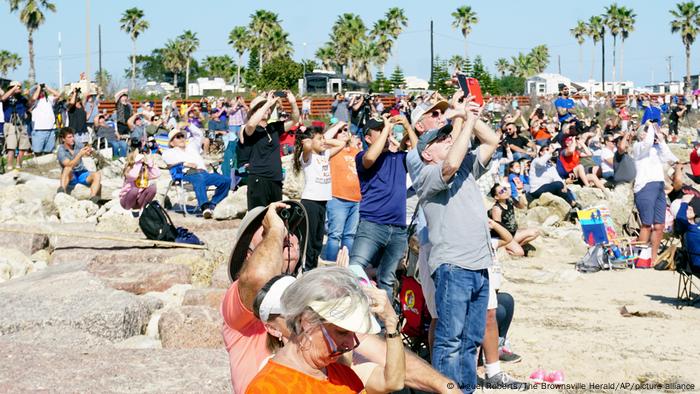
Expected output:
(298, 151)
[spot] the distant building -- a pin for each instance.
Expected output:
(545, 84)
(415, 83)
(202, 86)
(592, 86)
(328, 83)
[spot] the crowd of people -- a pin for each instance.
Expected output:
(310, 277)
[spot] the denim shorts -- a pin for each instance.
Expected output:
(80, 177)
(651, 203)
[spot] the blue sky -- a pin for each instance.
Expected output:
(504, 29)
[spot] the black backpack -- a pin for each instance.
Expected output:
(156, 224)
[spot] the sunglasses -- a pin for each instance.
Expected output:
(435, 114)
(502, 191)
(178, 136)
(335, 351)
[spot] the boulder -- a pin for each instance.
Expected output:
(173, 296)
(189, 327)
(293, 181)
(220, 279)
(112, 217)
(589, 197)
(68, 296)
(25, 243)
(555, 205)
(139, 342)
(140, 278)
(14, 264)
(235, 205)
(207, 297)
(201, 264)
(71, 210)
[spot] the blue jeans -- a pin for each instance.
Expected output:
(520, 155)
(230, 152)
(383, 243)
(118, 148)
(343, 217)
(461, 297)
(43, 141)
(201, 180)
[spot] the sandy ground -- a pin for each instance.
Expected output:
(569, 321)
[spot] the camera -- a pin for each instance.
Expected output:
(280, 93)
(42, 86)
(77, 90)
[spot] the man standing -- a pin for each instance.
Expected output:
(262, 137)
(77, 118)
(15, 106)
(461, 251)
(382, 228)
(44, 131)
(73, 170)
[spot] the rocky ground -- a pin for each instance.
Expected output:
(97, 315)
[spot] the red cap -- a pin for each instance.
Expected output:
(394, 112)
(318, 123)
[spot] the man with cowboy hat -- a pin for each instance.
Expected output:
(185, 156)
(262, 136)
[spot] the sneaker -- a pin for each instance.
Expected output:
(135, 213)
(508, 357)
(61, 190)
(502, 380)
(538, 376)
(95, 200)
(208, 213)
(555, 377)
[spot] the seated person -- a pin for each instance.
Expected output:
(569, 163)
(73, 171)
(187, 152)
(686, 225)
(137, 127)
(139, 182)
(624, 170)
(519, 183)
(544, 178)
(113, 138)
(503, 213)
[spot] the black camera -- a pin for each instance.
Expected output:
(77, 90)
(42, 86)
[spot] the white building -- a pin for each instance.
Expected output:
(415, 83)
(202, 85)
(674, 87)
(545, 84)
(592, 86)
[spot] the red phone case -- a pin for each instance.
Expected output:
(475, 90)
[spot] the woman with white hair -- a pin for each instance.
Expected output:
(324, 311)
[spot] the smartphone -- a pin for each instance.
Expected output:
(280, 93)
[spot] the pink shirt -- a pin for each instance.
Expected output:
(131, 175)
(245, 339)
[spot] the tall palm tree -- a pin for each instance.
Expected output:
(173, 59)
(502, 66)
(133, 24)
(611, 20)
(188, 45)
(540, 58)
(326, 55)
(346, 31)
(262, 24)
(239, 38)
(686, 22)
(279, 45)
(381, 34)
(9, 62)
(363, 53)
(397, 20)
(456, 62)
(523, 66)
(219, 66)
(31, 16)
(595, 32)
(463, 19)
(580, 32)
(627, 20)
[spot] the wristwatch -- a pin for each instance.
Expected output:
(392, 335)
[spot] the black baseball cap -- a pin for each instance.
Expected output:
(431, 135)
(374, 124)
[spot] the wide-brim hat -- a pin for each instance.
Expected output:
(425, 108)
(173, 133)
(257, 103)
(345, 314)
(14, 83)
(251, 223)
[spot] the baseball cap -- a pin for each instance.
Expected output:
(425, 108)
(347, 315)
(430, 136)
(374, 124)
(14, 83)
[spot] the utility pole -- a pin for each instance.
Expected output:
(670, 73)
(60, 63)
(432, 58)
(602, 40)
(559, 63)
(99, 56)
(87, 43)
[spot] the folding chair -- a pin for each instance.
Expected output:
(177, 180)
(685, 277)
(598, 229)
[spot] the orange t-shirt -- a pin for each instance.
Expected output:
(278, 378)
(245, 338)
(569, 162)
(540, 134)
(344, 181)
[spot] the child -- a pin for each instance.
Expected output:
(139, 186)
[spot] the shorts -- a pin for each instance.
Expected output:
(16, 137)
(651, 203)
(80, 177)
(426, 281)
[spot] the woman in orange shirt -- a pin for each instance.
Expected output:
(569, 164)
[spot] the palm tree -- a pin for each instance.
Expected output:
(347, 29)
(9, 62)
(580, 32)
(188, 45)
(382, 36)
(627, 20)
(687, 23)
(279, 45)
(262, 24)
(326, 54)
(595, 32)
(173, 59)
(523, 66)
(31, 16)
(463, 19)
(219, 66)
(363, 53)
(540, 58)
(133, 24)
(397, 20)
(502, 66)
(456, 62)
(611, 20)
(239, 38)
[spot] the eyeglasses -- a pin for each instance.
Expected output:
(502, 191)
(178, 136)
(335, 351)
(436, 114)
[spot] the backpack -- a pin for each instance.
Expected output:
(413, 308)
(156, 224)
(594, 260)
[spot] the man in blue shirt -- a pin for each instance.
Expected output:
(652, 111)
(564, 104)
(73, 171)
(382, 227)
(15, 106)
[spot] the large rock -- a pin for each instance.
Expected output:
(140, 278)
(191, 327)
(555, 205)
(13, 264)
(202, 265)
(112, 217)
(25, 243)
(68, 296)
(207, 297)
(71, 210)
(220, 279)
(235, 205)
(293, 181)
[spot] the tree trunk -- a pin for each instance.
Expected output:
(580, 61)
(133, 64)
(175, 80)
(187, 78)
(238, 73)
(686, 88)
(465, 48)
(30, 44)
(260, 57)
(614, 62)
(622, 60)
(592, 62)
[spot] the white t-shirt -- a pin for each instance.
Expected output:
(2, 113)
(191, 153)
(317, 175)
(42, 114)
(606, 154)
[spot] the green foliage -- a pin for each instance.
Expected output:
(479, 72)
(151, 68)
(397, 79)
(380, 83)
(508, 85)
(219, 66)
(254, 60)
(441, 76)
(277, 74)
